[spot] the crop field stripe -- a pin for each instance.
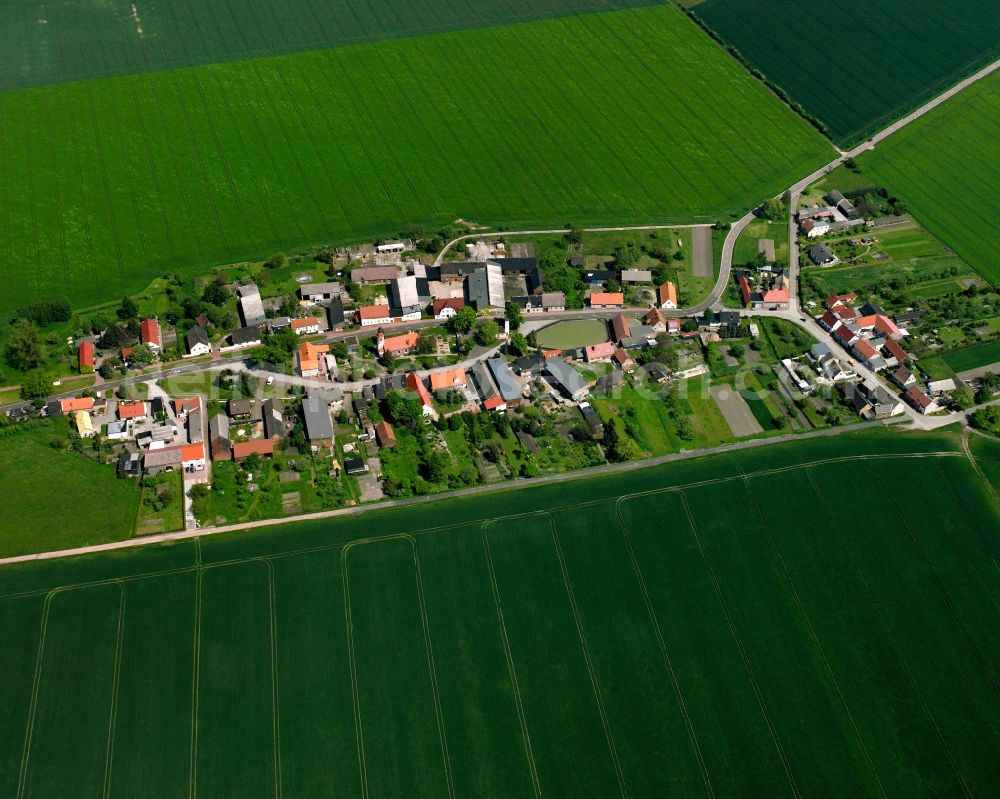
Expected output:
(33, 704)
(668, 664)
(739, 645)
(891, 638)
(945, 595)
(20, 630)
(393, 778)
(511, 667)
(116, 681)
(813, 637)
(352, 660)
(195, 688)
(598, 696)
(73, 703)
(275, 701)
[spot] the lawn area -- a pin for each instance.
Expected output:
(927, 164)
(161, 504)
(746, 244)
(572, 334)
(569, 638)
(55, 499)
(889, 57)
(239, 160)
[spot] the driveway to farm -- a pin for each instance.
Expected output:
(597, 471)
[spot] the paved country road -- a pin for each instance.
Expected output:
(512, 485)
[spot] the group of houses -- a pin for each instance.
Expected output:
(322, 309)
(868, 333)
(767, 288)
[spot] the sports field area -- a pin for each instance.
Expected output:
(946, 167)
(777, 621)
(863, 64)
(605, 118)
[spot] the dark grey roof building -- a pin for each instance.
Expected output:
(566, 378)
(506, 383)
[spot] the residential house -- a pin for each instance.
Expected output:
(607, 301)
(385, 435)
(274, 420)
(656, 320)
(372, 315)
(251, 306)
(566, 379)
(446, 308)
(129, 464)
(494, 404)
(813, 228)
(197, 341)
(620, 328)
(219, 443)
(776, 299)
(830, 321)
(528, 365)
(310, 363)
(245, 337)
(506, 383)
(416, 384)
(84, 424)
(319, 292)
(264, 447)
(165, 459)
(193, 456)
(821, 255)
(247, 410)
(596, 277)
(397, 345)
(871, 400)
(868, 355)
(553, 301)
(118, 430)
(151, 335)
(132, 410)
(893, 352)
(85, 356)
(919, 400)
(305, 326)
(318, 425)
(845, 336)
(448, 379)
(599, 352)
(730, 324)
(746, 295)
(622, 360)
(355, 466)
(667, 295)
(631, 277)
(76, 404)
(903, 378)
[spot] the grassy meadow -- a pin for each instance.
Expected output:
(670, 631)
(107, 184)
(869, 63)
(928, 164)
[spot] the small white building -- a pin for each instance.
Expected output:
(813, 228)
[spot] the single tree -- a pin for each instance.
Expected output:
(24, 348)
(488, 333)
(463, 320)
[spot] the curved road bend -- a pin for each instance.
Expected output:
(612, 468)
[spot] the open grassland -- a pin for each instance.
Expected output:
(863, 64)
(946, 167)
(674, 631)
(107, 184)
(54, 499)
(57, 43)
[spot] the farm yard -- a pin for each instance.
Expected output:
(928, 165)
(665, 631)
(107, 184)
(58, 43)
(861, 65)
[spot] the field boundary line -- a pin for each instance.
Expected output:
(511, 668)
(739, 645)
(33, 704)
(887, 632)
(115, 683)
(359, 736)
(800, 606)
(275, 704)
(661, 640)
(578, 621)
(423, 499)
(195, 687)
(975, 463)
(983, 539)
(945, 595)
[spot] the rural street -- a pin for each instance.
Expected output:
(613, 468)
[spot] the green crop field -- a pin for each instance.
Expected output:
(946, 166)
(611, 117)
(696, 628)
(860, 67)
(973, 357)
(54, 499)
(61, 42)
